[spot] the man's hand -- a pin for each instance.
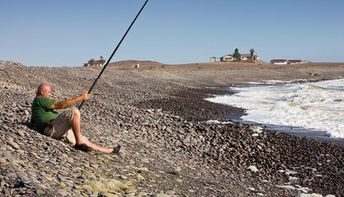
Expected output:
(85, 96)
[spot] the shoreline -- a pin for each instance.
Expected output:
(187, 108)
(296, 131)
(289, 146)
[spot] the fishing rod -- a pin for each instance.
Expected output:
(113, 53)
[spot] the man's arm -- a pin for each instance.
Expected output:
(70, 102)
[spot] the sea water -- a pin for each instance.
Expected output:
(314, 106)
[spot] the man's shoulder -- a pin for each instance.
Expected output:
(39, 98)
(43, 100)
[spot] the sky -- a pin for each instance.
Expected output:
(70, 32)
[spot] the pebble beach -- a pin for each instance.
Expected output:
(175, 143)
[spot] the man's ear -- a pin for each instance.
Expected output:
(39, 92)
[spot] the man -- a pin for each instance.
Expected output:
(48, 122)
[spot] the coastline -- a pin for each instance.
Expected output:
(191, 105)
(218, 112)
(158, 116)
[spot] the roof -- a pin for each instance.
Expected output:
(242, 55)
(248, 55)
(96, 61)
(294, 60)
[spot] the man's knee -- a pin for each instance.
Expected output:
(76, 112)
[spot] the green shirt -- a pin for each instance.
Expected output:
(42, 112)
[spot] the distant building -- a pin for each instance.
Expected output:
(97, 63)
(279, 61)
(227, 58)
(247, 57)
(283, 61)
(213, 59)
(243, 57)
(298, 61)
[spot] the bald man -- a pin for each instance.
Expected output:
(48, 122)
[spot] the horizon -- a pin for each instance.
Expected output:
(69, 33)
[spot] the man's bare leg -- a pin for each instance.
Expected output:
(83, 140)
(95, 146)
(76, 126)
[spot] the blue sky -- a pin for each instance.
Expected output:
(70, 32)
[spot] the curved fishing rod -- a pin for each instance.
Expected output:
(113, 53)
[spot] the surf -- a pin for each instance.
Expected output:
(314, 106)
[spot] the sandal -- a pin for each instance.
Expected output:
(116, 150)
(83, 147)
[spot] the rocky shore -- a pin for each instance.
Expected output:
(170, 148)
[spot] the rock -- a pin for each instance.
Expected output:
(170, 192)
(145, 160)
(252, 168)
(21, 133)
(310, 195)
(251, 189)
(61, 192)
(40, 192)
(177, 169)
(13, 144)
(3, 161)
(161, 194)
(255, 135)
(27, 112)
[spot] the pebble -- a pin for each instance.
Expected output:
(310, 195)
(177, 169)
(61, 192)
(3, 161)
(170, 192)
(13, 144)
(145, 160)
(21, 133)
(253, 168)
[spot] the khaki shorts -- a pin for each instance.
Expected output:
(61, 127)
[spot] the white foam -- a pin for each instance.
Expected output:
(312, 105)
(275, 82)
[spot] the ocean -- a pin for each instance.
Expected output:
(300, 106)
